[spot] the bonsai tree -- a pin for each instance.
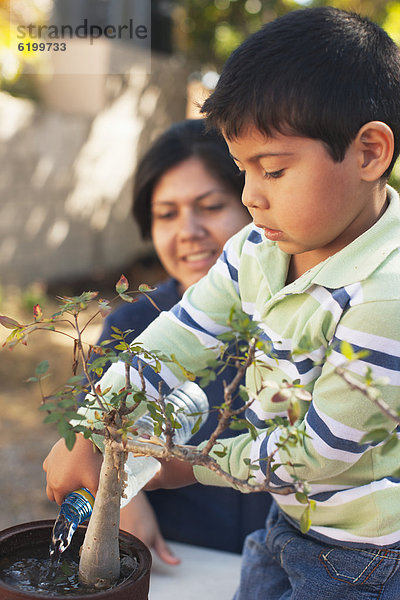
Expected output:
(115, 414)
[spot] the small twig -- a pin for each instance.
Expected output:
(225, 415)
(85, 364)
(168, 429)
(141, 376)
(193, 456)
(369, 393)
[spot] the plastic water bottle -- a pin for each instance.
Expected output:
(189, 398)
(75, 509)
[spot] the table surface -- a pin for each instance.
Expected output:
(203, 574)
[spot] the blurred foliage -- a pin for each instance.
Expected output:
(13, 62)
(208, 32)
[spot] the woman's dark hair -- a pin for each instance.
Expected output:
(319, 72)
(180, 142)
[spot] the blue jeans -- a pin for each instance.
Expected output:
(280, 563)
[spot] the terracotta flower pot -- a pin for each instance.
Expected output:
(37, 535)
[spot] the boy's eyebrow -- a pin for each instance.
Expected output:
(263, 155)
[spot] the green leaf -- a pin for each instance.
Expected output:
(70, 438)
(63, 426)
(347, 350)
(42, 368)
(122, 346)
(116, 330)
(376, 435)
(396, 473)
(157, 429)
(305, 521)
(238, 425)
(376, 419)
(226, 337)
(53, 418)
(70, 414)
(243, 393)
(67, 402)
(220, 453)
(390, 444)
(169, 409)
(301, 497)
(48, 406)
(75, 379)
(197, 425)
(254, 467)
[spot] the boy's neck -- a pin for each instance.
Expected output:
(300, 263)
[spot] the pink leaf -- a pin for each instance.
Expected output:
(144, 287)
(9, 323)
(122, 285)
(37, 312)
(104, 307)
(128, 298)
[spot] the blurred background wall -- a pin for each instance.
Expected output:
(70, 139)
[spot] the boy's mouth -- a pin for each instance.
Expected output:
(272, 234)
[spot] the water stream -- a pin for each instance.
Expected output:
(61, 537)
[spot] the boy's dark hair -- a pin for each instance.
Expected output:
(180, 142)
(319, 72)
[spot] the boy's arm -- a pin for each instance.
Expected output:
(173, 474)
(337, 417)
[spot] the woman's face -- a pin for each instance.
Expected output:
(193, 214)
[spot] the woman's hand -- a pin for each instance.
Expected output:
(69, 470)
(138, 518)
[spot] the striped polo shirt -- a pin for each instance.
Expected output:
(352, 296)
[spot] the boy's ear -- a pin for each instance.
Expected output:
(375, 146)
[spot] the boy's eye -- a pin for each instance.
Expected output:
(273, 174)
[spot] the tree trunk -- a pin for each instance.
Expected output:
(100, 562)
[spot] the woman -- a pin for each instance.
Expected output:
(187, 198)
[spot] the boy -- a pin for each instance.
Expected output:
(310, 108)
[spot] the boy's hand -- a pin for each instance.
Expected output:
(69, 470)
(173, 474)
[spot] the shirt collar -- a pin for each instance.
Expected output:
(365, 254)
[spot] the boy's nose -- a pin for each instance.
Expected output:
(253, 197)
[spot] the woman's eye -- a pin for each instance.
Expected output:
(273, 174)
(167, 215)
(212, 207)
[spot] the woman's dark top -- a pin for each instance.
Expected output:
(215, 517)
